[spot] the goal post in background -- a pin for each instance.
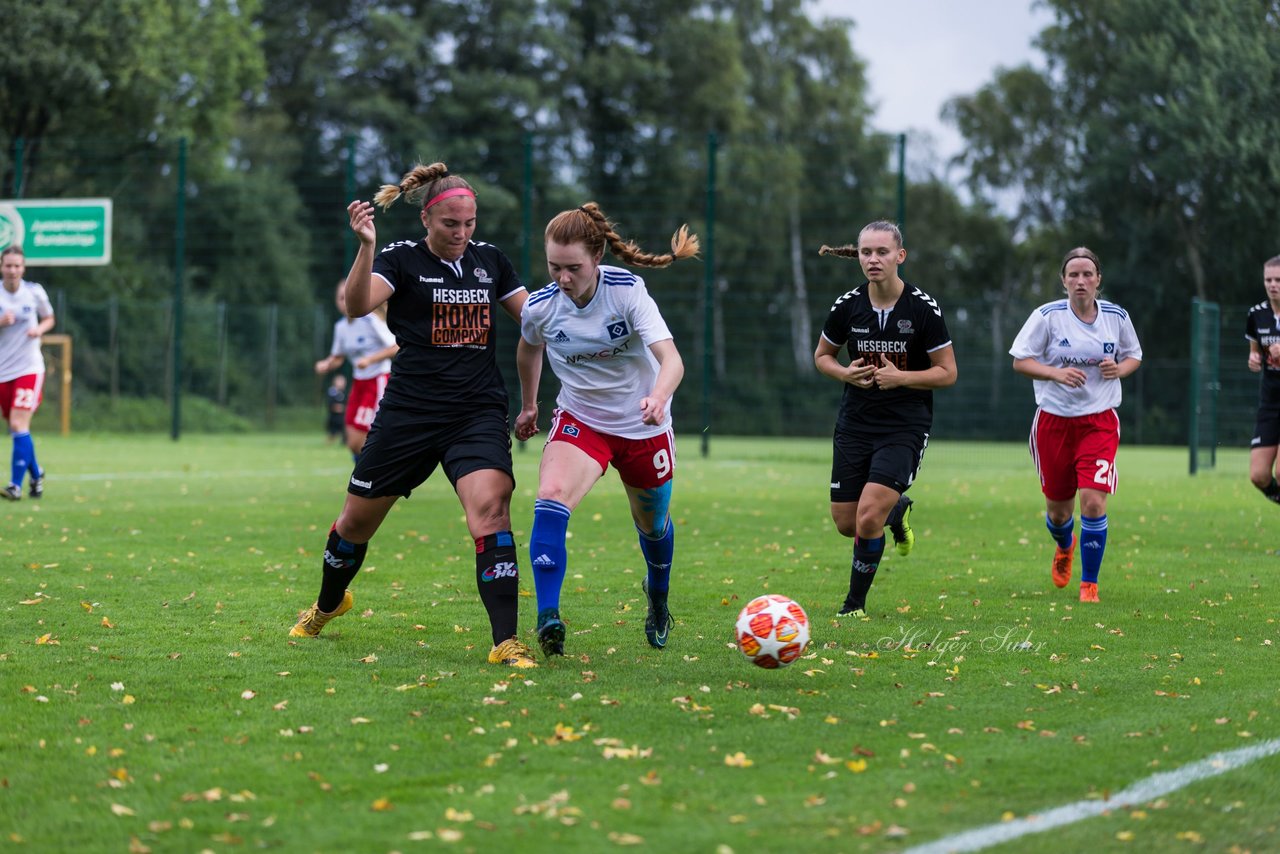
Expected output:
(57, 368)
(1202, 433)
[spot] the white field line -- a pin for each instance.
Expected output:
(1141, 792)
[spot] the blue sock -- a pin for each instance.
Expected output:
(547, 553)
(1061, 533)
(1093, 543)
(24, 458)
(658, 552)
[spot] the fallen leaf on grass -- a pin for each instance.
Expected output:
(625, 838)
(381, 805)
(122, 810)
(738, 760)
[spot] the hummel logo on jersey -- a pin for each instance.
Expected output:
(431, 280)
(363, 484)
(560, 337)
(1064, 343)
(543, 560)
(618, 329)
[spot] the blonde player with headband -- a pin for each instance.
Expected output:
(445, 404)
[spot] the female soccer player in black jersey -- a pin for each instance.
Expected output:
(899, 350)
(1263, 331)
(445, 404)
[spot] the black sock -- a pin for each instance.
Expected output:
(866, 560)
(342, 561)
(1272, 491)
(498, 579)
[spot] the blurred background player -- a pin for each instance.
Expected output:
(1077, 350)
(899, 352)
(446, 403)
(370, 346)
(25, 315)
(1262, 329)
(613, 409)
(336, 404)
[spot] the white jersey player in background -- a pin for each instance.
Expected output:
(370, 346)
(25, 315)
(1077, 350)
(618, 368)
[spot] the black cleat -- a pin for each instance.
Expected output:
(550, 632)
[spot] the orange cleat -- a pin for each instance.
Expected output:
(1062, 560)
(1088, 591)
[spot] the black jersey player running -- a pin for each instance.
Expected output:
(445, 404)
(899, 351)
(1262, 329)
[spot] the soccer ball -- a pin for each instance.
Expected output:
(772, 631)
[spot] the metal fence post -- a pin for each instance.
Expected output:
(179, 250)
(708, 289)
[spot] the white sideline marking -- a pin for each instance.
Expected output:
(1140, 792)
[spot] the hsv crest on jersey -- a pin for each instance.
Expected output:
(618, 329)
(1109, 347)
(570, 430)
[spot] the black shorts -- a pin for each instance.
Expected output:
(1266, 430)
(405, 446)
(891, 459)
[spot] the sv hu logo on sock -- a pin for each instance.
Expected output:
(505, 569)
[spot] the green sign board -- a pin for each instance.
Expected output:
(58, 232)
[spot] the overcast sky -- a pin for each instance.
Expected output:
(920, 53)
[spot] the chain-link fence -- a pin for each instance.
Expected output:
(248, 262)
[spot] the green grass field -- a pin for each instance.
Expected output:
(152, 701)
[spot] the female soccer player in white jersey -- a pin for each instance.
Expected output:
(370, 346)
(1262, 329)
(618, 368)
(899, 352)
(445, 404)
(25, 315)
(1077, 350)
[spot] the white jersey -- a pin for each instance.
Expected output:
(19, 354)
(600, 353)
(357, 338)
(1054, 336)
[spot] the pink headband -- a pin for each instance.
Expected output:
(449, 194)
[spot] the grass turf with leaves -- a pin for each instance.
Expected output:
(153, 701)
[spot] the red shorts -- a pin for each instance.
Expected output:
(23, 392)
(1075, 453)
(641, 463)
(362, 403)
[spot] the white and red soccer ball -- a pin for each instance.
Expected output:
(772, 631)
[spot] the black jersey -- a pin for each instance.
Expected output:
(444, 317)
(1263, 328)
(906, 334)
